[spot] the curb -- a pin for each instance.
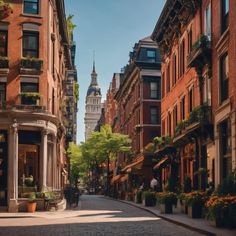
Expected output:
(202, 231)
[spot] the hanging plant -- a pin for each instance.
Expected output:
(5, 9)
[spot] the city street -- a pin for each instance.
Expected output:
(96, 215)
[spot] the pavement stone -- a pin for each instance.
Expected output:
(95, 215)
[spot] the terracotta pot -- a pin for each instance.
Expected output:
(31, 207)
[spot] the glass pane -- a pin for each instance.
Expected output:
(30, 42)
(29, 87)
(31, 7)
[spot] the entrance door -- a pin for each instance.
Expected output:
(3, 168)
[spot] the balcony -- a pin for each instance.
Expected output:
(31, 66)
(4, 65)
(200, 119)
(201, 53)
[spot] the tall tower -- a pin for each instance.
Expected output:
(92, 104)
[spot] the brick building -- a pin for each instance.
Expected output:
(183, 34)
(138, 112)
(224, 86)
(34, 58)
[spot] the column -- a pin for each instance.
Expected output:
(54, 161)
(13, 168)
(43, 159)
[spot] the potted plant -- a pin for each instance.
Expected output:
(138, 196)
(31, 204)
(195, 202)
(148, 198)
(166, 201)
(222, 210)
(5, 9)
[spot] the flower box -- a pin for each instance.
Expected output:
(166, 208)
(195, 211)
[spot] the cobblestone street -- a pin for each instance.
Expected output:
(96, 216)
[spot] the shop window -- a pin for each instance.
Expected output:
(30, 44)
(224, 77)
(3, 43)
(31, 7)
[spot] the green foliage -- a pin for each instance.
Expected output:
(76, 92)
(98, 148)
(228, 185)
(70, 26)
(149, 198)
(166, 197)
(30, 94)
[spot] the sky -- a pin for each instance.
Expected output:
(110, 28)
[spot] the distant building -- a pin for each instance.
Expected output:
(92, 104)
(138, 101)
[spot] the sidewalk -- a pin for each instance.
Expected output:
(198, 225)
(59, 214)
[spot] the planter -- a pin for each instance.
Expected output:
(183, 207)
(166, 208)
(31, 207)
(148, 203)
(195, 211)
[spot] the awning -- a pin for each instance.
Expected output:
(115, 179)
(136, 165)
(157, 166)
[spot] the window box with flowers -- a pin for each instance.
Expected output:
(195, 202)
(222, 210)
(35, 65)
(30, 98)
(166, 201)
(5, 9)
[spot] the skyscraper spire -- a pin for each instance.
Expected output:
(94, 71)
(94, 74)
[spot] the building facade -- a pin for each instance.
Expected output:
(223, 86)
(34, 57)
(198, 92)
(138, 112)
(92, 105)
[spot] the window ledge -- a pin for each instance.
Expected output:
(31, 15)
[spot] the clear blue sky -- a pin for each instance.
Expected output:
(111, 28)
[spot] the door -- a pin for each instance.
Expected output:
(3, 168)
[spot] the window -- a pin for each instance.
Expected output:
(3, 43)
(208, 21)
(163, 127)
(182, 58)
(182, 108)
(175, 116)
(151, 55)
(2, 93)
(224, 15)
(31, 6)
(168, 79)
(225, 147)
(29, 88)
(224, 77)
(163, 85)
(169, 123)
(30, 44)
(190, 101)
(155, 89)
(190, 40)
(154, 115)
(174, 67)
